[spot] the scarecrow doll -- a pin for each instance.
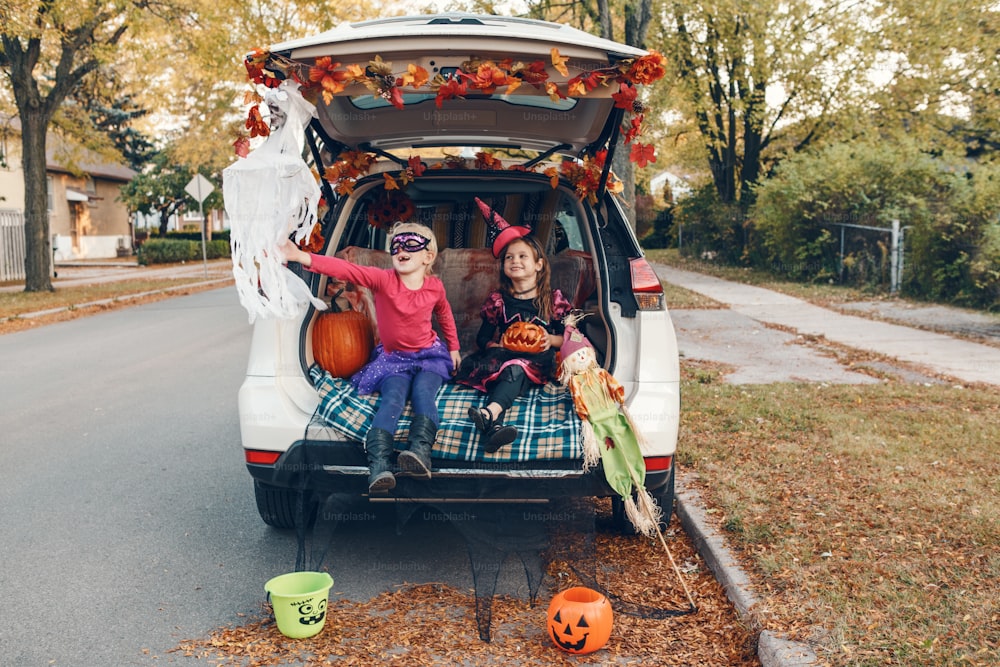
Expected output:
(609, 433)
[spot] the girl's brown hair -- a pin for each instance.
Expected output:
(543, 292)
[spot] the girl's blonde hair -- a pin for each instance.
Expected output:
(423, 230)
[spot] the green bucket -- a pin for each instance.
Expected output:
(299, 602)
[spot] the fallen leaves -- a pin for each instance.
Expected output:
(434, 624)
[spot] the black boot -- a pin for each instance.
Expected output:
(497, 435)
(416, 460)
(378, 446)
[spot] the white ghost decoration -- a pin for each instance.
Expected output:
(270, 195)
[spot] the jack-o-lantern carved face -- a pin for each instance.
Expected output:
(524, 337)
(580, 620)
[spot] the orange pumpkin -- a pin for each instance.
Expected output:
(342, 341)
(580, 620)
(524, 337)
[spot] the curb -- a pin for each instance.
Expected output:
(772, 649)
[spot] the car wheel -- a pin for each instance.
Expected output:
(279, 507)
(664, 497)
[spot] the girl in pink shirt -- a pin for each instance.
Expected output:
(410, 362)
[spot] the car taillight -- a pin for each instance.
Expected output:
(656, 463)
(261, 457)
(646, 285)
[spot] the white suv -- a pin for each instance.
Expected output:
(416, 117)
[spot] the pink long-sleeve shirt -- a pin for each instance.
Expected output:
(404, 315)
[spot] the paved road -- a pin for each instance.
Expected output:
(128, 517)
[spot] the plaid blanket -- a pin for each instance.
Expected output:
(548, 426)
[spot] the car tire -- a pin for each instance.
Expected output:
(664, 497)
(278, 507)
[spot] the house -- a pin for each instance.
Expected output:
(86, 220)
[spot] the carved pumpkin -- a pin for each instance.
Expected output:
(342, 341)
(524, 337)
(580, 620)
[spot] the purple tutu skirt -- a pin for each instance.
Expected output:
(434, 359)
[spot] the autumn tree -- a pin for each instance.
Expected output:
(623, 21)
(756, 73)
(47, 49)
(939, 74)
(159, 189)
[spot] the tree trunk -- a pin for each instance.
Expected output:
(637, 17)
(164, 221)
(38, 245)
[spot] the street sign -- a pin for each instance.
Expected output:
(199, 187)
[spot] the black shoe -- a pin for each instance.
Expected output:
(496, 434)
(378, 447)
(499, 436)
(416, 460)
(481, 418)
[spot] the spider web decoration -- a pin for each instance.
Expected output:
(534, 535)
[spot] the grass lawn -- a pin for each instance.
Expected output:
(867, 514)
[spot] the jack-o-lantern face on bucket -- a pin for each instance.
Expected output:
(580, 620)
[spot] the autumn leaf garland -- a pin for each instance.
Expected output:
(326, 78)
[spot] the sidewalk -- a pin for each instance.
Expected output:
(89, 272)
(939, 353)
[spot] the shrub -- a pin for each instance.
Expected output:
(165, 251)
(710, 228)
(946, 208)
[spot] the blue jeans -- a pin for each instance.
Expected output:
(421, 389)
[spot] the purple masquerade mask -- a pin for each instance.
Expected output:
(409, 242)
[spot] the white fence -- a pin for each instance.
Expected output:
(11, 245)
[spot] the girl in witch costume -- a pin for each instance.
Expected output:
(410, 362)
(501, 368)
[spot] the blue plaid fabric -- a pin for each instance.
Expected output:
(548, 426)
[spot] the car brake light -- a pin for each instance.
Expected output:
(646, 285)
(261, 457)
(657, 463)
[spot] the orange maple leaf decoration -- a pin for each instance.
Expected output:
(489, 77)
(390, 182)
(559, 62)
(634, 129)
(487, 161)
(416, 166)
(647, 69)
(448, 89)
(625, 97)
(415, 77)
(242, 146)
(533, 73)
(330, 79)
(256, 124)
(642, 154)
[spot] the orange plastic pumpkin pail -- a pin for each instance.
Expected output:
(580, 620)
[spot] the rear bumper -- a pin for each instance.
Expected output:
(341, 467)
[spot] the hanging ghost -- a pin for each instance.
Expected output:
(609, 433)
(270, 195)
